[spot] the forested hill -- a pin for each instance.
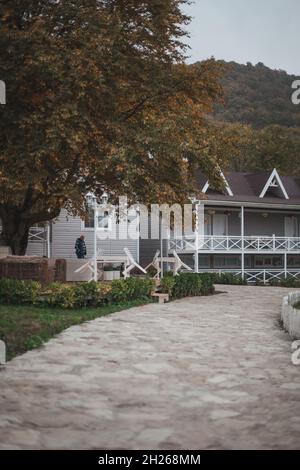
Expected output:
(259, 96)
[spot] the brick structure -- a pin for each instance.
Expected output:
(33, 268)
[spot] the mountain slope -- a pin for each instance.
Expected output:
(258, 96)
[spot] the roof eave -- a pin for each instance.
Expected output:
(211, 202)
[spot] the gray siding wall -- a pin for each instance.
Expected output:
(65, 230)
(36, 249)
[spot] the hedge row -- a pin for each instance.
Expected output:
(187, 285)
(94, 294)
(290, 281)
(228, 278)
(68, 296)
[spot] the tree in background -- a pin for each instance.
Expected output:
(278, 147)
(255, 150)
(99, 98)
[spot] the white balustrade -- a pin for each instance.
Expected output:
(231, 243)
(259, 275)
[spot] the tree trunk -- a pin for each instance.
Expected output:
(15, 231)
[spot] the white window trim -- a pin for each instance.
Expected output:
(274, 175)
(227, 187)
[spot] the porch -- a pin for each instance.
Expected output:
(258, 243)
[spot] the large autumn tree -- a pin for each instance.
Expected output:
(98, 98)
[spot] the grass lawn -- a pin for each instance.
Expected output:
(23, 328)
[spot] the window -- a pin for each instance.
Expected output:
(103, 220)
(248, 261)
(227, 262)
(291, 226)
(88, 221)
(293, 261)
(268, 261)
(204, 261)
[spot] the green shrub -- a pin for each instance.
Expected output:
(123, 290)
(15, 292)
(207, 283)
(167, 285)
(290, 281)
(83, 294)
(187, 284)
(228, 278)
(60, 295)
(91, 294)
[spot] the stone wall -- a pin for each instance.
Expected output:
(291, 316)
(33, 268)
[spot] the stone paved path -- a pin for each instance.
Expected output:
(212, 373)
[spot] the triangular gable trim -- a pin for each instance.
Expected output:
(274, 177)
(227, 187)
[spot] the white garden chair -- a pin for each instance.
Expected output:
(89, 265)
(156, 264)
(179, 264)
(131, 264)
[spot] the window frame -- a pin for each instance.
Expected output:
(101, 229)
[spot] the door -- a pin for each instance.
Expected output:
(220, 224)
(291, 227)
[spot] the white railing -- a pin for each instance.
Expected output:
(263, 276)
(37, 234)
(250, 244)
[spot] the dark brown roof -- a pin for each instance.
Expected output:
(247, 187)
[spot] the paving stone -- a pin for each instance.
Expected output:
(221, 414)
(211, 372)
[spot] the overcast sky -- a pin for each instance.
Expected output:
(247, 31)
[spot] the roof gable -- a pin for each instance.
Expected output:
(206, 187)
(275, 185)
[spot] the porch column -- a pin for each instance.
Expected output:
(285, 265)
(48, 240)
(161, 246)
(196, 260)
(95, 239)
(242, 235)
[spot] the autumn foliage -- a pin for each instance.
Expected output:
(99, 98)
